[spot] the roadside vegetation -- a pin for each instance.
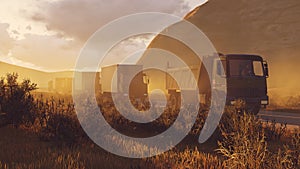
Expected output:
(284, 102)
(43, 132)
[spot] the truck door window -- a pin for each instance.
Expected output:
(221, 68)
(241, 67)
(258, 68)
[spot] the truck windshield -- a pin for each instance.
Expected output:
(242, 67)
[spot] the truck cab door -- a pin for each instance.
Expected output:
(219, 75)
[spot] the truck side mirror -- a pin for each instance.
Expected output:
(145, 79)
(266, 67)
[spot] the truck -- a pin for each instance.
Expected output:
(244, 75)
(125, 80)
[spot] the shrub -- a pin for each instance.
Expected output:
(58, 121)
(16, 100)
(61, 128)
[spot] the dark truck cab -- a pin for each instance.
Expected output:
(246, 79)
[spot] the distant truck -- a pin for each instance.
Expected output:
(123, 79)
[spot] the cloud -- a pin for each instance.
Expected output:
(127, 51)
(79, 19)
(16, 13)
(49, 34)
(6, 42)
(47, 52)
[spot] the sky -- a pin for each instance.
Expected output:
(49, 34)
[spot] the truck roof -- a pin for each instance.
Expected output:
(243, 56)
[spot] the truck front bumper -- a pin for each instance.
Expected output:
(263, 101)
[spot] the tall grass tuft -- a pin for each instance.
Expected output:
(243, 144)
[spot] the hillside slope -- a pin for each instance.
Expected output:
(36, 76)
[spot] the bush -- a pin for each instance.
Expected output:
(58, 121)
(16, 100)
(61, 128)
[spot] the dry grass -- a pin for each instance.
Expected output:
(56, 140)
(187, 159)
(245, 143)
(21, 149)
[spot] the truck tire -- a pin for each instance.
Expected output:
(253, 108)
(3, 119)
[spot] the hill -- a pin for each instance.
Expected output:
(40, 77)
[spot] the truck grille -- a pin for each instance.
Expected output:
(246, 92)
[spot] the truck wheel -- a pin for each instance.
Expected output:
(253, 109)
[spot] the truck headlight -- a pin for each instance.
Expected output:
(264, 102)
